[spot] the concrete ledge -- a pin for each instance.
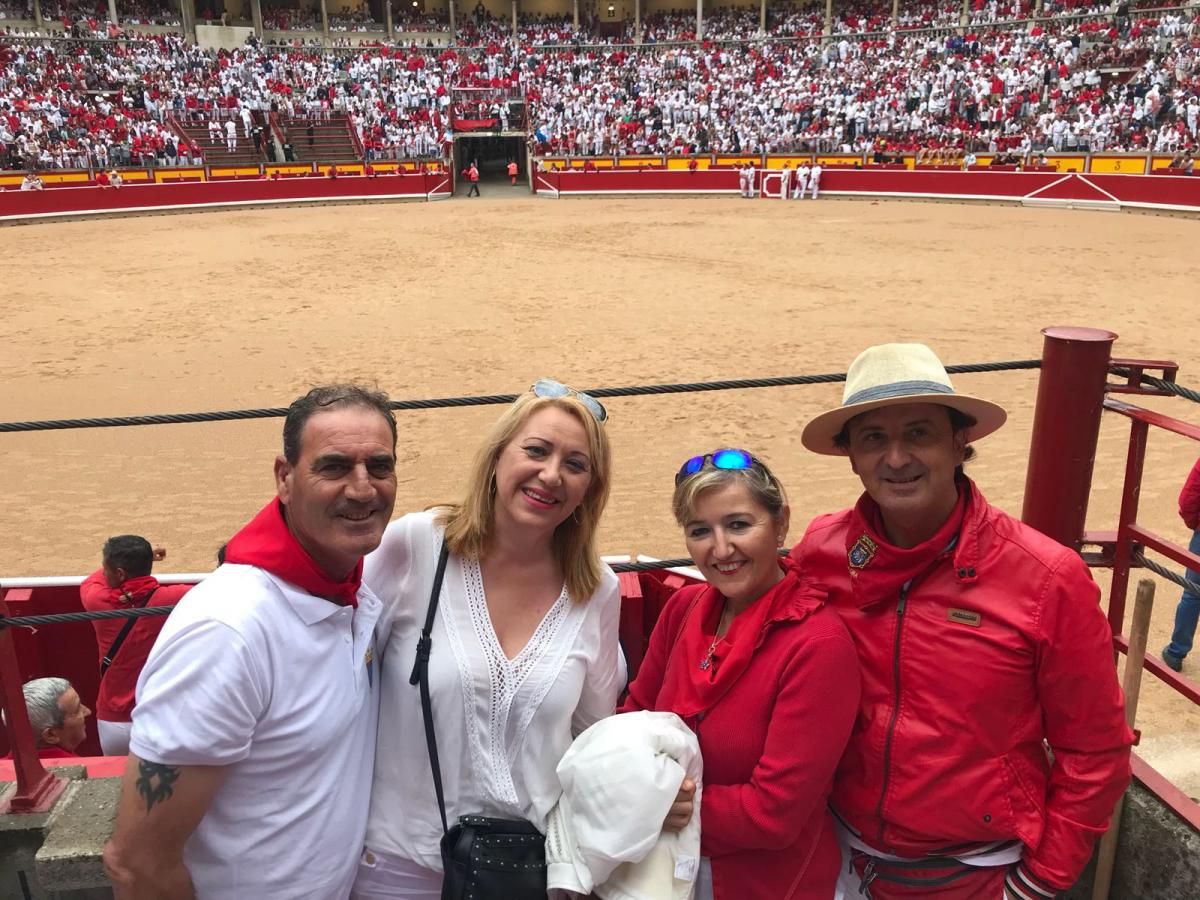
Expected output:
(71, 856)
(1158, 854)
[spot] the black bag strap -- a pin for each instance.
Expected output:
(420, 675)
(122, 634)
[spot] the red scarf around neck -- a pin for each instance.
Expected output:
(131, 592)
(688, 690)
(878, 568)
(268, 543)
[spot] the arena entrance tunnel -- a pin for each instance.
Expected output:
(492, 153)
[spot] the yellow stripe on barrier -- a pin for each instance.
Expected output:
(72, 177)
(1067, 163)
(1119, 165)
(166, 176)
(842, 159)
(677, 163)
(236, 172)
(793, 162)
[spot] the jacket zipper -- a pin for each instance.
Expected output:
(887, 744)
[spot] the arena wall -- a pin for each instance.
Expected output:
(79, 201)
(1165, 193)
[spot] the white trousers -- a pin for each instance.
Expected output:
(114, 737)
(385, 876)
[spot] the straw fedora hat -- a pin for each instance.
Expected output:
(891, 374)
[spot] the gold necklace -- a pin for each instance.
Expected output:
(706, 663)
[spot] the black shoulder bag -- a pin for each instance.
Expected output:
(122, 634)
(482, 858)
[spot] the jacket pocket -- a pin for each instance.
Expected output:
(1028, 804)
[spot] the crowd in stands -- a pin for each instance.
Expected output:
(1001, 89)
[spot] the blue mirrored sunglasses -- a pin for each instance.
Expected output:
(548, 387)
(729, 458)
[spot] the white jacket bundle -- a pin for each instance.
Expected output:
(619, 779)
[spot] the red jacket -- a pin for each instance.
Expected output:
(116, 698)
(1001, 645)
(1189, 499)
(770, 746)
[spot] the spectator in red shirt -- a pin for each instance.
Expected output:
(1188, 611)
(57, 716)
(124, 582)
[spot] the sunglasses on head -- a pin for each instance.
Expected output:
(549, 388)
(729, 458)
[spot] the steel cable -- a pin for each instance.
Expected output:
(485, 400)
(1187, 584)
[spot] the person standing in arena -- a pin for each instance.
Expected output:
(814, 179)
(802, 175)
(785, 182)
(251, 753)
(473, 178)
(124, 582)
(992, 742)
(1187, 613)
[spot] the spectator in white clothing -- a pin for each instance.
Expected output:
(524, 644)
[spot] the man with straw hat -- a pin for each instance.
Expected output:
(991, 743)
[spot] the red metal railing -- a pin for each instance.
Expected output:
(1073, 391)
(36, 789)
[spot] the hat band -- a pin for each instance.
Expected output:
(896, 389)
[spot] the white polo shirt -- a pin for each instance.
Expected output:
(253, 673)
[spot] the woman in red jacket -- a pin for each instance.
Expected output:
(765, 675)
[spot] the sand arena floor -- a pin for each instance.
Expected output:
(246, 309)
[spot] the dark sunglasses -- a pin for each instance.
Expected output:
(729, 458)
(548, 387)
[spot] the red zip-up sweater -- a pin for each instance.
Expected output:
(770, 747)
(999, 645)
(116, 698)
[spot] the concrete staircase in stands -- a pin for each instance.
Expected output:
(216, 153)
(331, 139)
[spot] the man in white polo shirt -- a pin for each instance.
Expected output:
(251, 754)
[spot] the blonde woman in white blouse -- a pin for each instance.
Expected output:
(525, 653)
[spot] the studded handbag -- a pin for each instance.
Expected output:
(482, 858)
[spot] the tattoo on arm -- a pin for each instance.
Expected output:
(156, 782)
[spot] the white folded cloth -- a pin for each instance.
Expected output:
(619, 779)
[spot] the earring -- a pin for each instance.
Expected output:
(575, 516)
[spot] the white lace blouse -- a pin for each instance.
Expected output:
(502, 725)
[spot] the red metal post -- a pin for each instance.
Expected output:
(1131, 493)
(1066, 427)
(37, 789)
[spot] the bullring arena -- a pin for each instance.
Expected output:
(243, 310)
(246, 304)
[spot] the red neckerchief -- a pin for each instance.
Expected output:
(266, 542)
(688, 690)
(131, 592)
(879, 569)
